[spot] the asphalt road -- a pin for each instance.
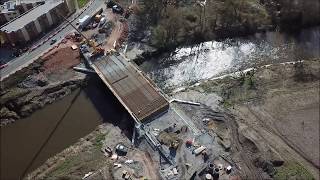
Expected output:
(27, 58)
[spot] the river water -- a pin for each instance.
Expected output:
(27, 143)
(188, 65)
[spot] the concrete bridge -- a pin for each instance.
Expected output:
(136, 92)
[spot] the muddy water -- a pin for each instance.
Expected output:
(27, 143)
(188, 65)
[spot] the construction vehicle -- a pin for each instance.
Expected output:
(96, 50)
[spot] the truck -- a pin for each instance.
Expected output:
(83, 22)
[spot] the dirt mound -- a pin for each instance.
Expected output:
(60, 58)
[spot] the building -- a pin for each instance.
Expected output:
(34, 22)
(14, 8)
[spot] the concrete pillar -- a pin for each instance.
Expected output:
(49, 17)
(24, 6)
(38, 26)
(25, 34)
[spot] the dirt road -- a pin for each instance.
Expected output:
(282, 113)
(274, 120)
(113, 39)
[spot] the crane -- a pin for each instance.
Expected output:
(91, 43)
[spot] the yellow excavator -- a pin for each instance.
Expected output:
(90, 42)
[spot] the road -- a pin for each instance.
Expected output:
(27, 58)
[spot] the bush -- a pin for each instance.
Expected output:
(82, 3)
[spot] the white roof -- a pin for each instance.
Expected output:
(8, 6)
(81, 20)
(28, 1)
(30, 16)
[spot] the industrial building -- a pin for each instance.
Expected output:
(39, 19)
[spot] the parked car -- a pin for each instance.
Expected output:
(3, 65)
(102, 21)
(53, 41)
(117, 9)
(110, 3)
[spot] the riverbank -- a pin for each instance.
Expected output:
(74, 166)
(155, 28)
(258, 130)
(48, 79)
(276, 108)
(89, 156)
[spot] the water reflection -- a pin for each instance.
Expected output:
(188, 65)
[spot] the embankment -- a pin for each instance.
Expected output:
(48, 79)
(276, 107)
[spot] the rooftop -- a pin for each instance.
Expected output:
(28, 1)
(30, 16)
(8, 6)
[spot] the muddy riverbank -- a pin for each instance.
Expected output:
(277, 108)
(241, 132)
(48, 79)
(18, 103)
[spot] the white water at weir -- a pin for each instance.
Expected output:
(189, 65)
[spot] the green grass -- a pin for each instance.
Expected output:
(98, 142)
(82, 3)
(292, 170)
(65, 167)
(227, 104)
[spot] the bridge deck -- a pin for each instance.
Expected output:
(131, 88)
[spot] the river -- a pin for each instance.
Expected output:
(29, 142)
(188, 65)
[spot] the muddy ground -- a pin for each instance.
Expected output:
(268, 128)
(51, 77)
(276, 110)
(89, 155)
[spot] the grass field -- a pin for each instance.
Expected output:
(82, 3)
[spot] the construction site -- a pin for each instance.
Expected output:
(200, 132)
(178, 147)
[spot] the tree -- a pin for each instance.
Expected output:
(152, 10)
